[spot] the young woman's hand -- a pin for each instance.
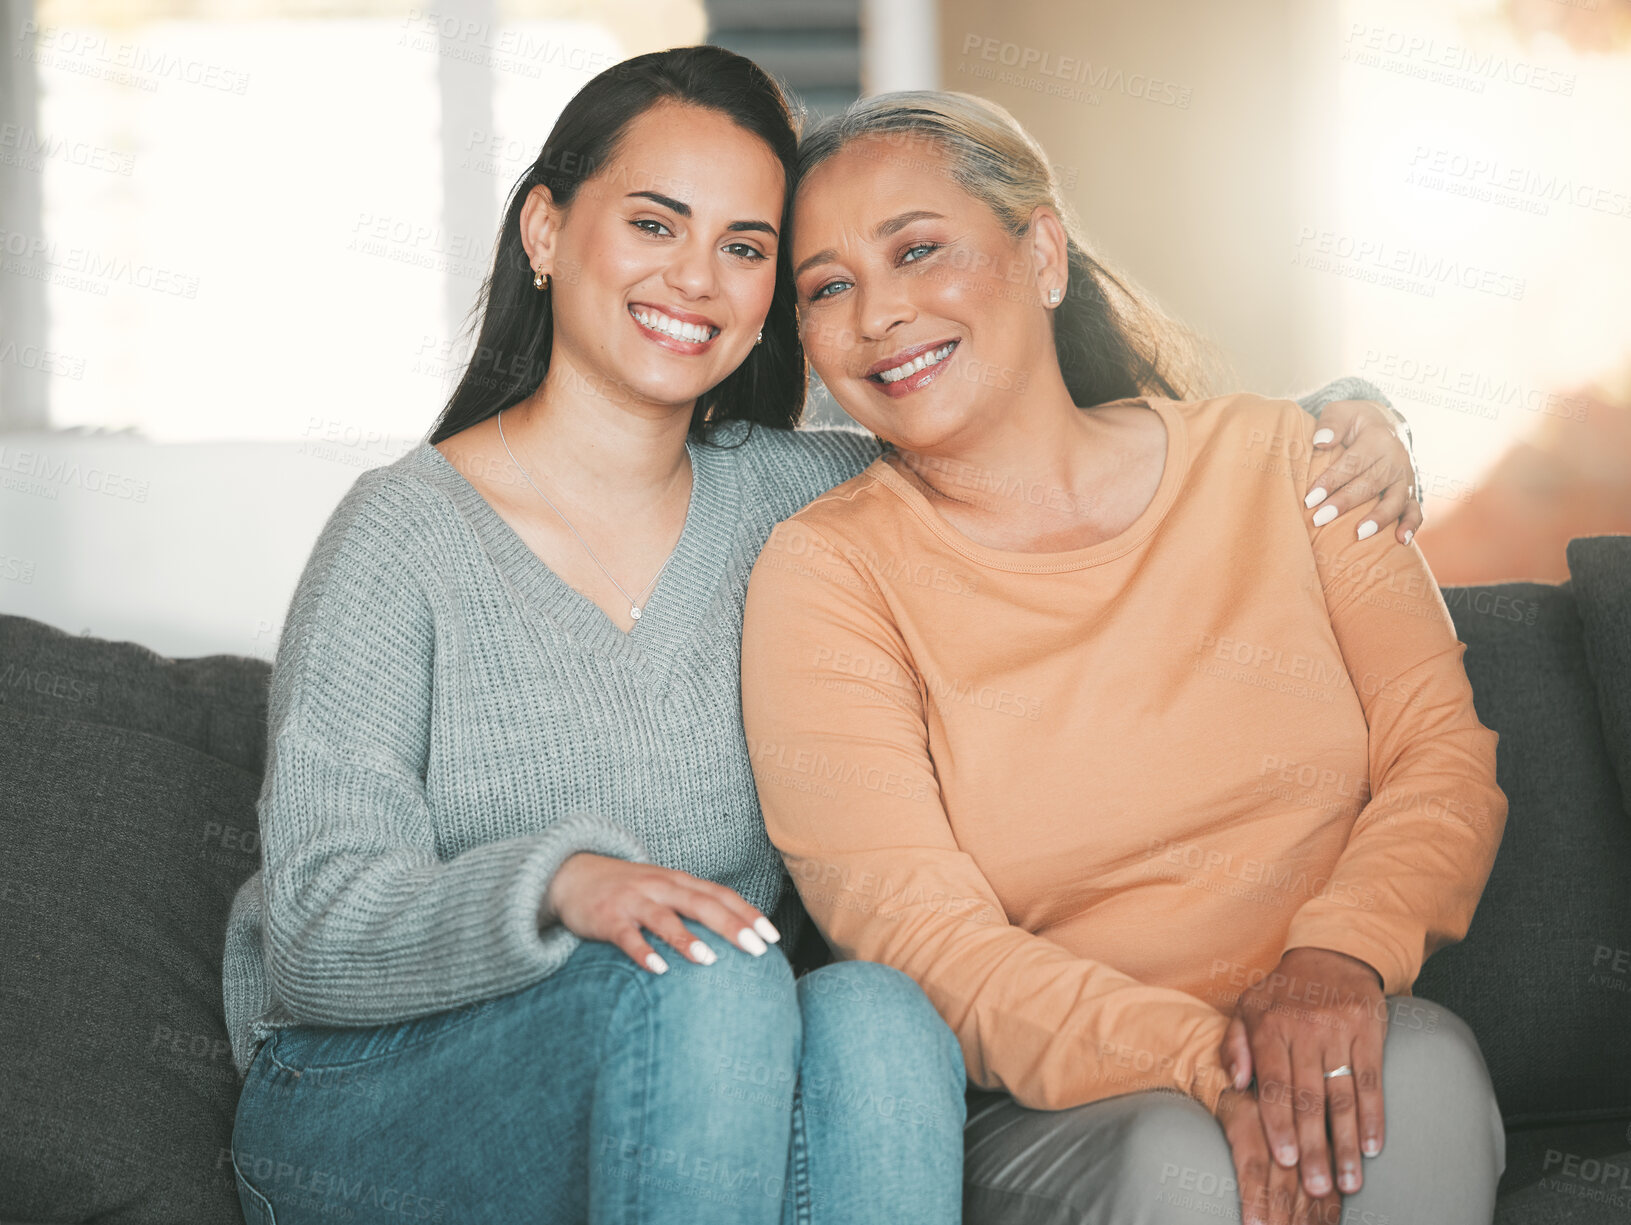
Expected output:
(1270, 1194)
(1372, 459)
(601, 897)
(1318, 1011)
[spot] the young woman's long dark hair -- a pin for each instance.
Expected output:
(1113, 342)
(516, 329)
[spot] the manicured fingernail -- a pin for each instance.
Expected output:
(1288, 1155)
(656, 964)
(1371, 1147)
(1324, 515)
(1319, 1184)
(1350, 1180)
(1408, 533)
(1315, 496)
(1321, 437)
(749, 940)
(701, 952)
(767, 929)
(1367, 529)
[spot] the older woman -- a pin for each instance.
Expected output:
(1161, 785)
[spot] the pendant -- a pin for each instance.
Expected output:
(634, 612)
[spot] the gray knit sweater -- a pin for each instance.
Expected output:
(449, 721)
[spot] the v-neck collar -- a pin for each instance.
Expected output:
(674, 608)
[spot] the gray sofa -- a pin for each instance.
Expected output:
(128, 820)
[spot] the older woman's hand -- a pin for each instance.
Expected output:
(1371, 459)
(1269, 1194)
(1317, 1012)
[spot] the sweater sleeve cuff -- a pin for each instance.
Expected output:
(1387, 957)
(1349, 387)
(581, 831)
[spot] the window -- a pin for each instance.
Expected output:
(237, 220)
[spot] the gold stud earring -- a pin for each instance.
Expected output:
(540, 279)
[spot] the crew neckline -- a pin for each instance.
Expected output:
(1173, 471)
(674, 609)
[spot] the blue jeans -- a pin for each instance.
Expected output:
(723, 1094)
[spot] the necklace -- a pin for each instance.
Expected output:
(635, 610)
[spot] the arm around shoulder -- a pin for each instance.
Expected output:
(1425, 842)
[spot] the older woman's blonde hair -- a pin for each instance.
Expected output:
(1113, 342)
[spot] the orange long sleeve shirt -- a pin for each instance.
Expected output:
(1086, 798)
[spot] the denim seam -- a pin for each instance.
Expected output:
(264, 1203)
(800, 1153)
(645, 1097)
(643, 1113)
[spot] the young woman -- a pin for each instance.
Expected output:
(1161, 789)
(515, 938)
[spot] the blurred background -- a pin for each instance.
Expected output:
(238, 240)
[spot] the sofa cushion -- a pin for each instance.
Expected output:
(214, 703)
(1578, 1174)
(1544, 974)
(1600, 576)
(122, 854)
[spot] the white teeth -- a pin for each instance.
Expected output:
(658, 322)
(918, 363)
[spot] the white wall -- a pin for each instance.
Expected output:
(1193, 140)
(189, 549)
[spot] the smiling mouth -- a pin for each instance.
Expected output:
(674, 329)
(921, 362)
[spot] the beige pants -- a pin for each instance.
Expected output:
(1159, 1157)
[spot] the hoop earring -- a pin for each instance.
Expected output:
(540, 279)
